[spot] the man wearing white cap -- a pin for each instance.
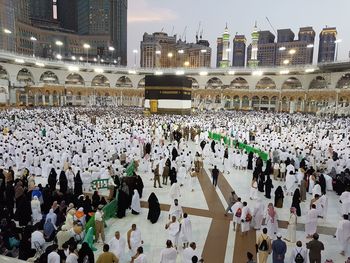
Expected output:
(279, 249)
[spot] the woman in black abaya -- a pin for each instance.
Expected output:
(78, 185)
(296, 201)
(52, 180)
(153, 208)
(63, 182)
(250, 161)
(268, 187)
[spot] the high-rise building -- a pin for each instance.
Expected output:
(7, 25)
(285, 35)
(327, 45)
(94, 17)
(295, 52)
(43, 12)
(118, 29)
(106, 17)
(161, 50)
(253, 58)
(225, 62)
(238, 52)
(219, 48)
(287, 50)
(22, 10)
(67, 14)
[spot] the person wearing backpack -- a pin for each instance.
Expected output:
(299, 254)
(263, 246)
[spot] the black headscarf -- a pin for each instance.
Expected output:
(85, 251)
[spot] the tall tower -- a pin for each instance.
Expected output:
(218, 51)
(253, 62)
(225, 62)
(238, 51)
(118, 29)
(327, 45)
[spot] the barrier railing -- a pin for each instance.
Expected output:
(109, 211)
(228, 141)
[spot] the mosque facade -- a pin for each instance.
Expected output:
(25, 81)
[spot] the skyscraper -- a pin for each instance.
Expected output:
(225, 62)
(253, 60)
(67, 14)
(238, 52)
(7, 23)
(94, 17)
(118, 29)
(295, 52)
(219, 48)
(41, 11)
(327, 45)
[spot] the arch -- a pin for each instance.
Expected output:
(3, 90)
(265, 100)
(239, 83)
(195, 84)
(74, 79)
(285, 104)
(48, 77)
(214, 83)
(100, 80)
(265, 83)
(292, 83)
(343, 82)
(273, 100)
(236, 102)
(245, 102)
(255, 101)
(318, 82)
(141, 84)
(24, 75)
(124, 82)
(3, 73)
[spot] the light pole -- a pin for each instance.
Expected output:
(59, 44)
(33, 39)
(203, 51)
(337, 48)
(135, 51)
(291, 53)
(158, 53)
(228, 50)
(7, 33)
(87, 47)
(111, 49)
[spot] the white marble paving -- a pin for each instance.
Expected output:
(155, 235)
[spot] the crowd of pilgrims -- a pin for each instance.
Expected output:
(71, 147)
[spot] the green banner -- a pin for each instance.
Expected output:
(130, 169)
(217, 137)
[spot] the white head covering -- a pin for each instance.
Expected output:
(135, 203)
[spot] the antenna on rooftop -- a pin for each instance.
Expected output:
(197, 32)
(271, 26)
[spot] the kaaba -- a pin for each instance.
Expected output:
(168, 94)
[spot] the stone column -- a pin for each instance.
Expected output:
(50, 100)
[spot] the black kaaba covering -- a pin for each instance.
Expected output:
(169, 87)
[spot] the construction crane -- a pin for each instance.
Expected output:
(271, 25)
(183, 36)
(172, 31)
(201, 35)
(197, 32)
